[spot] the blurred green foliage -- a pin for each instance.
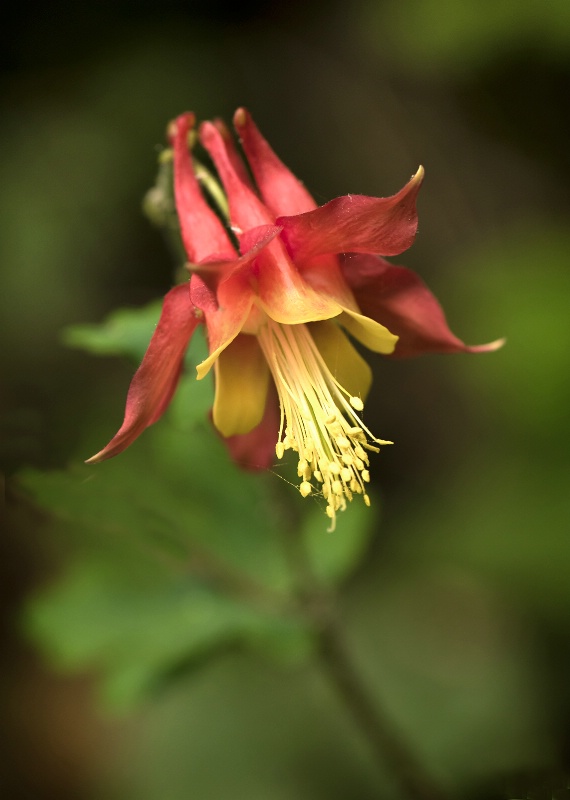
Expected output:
(516, 536)
(457, 609)
(461, 37)
(181, 554)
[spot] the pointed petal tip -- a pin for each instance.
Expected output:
(212, 135)
(188, 120)
(98, 457)
(222, 128)
(491, 347)
(117, 445)
(241, 118)
(419, 176)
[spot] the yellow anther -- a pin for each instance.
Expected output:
(346, 474)
(318, 418)
(366, 500)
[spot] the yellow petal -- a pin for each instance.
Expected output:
(370, 333)
(342, 358)
(242, 381)
(225, 322)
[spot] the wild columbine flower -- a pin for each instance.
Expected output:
(277, 312)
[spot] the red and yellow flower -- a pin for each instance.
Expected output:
(278, 290)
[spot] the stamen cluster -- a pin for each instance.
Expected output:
(318, 419)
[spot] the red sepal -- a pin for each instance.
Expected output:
(246, 209)
(255, 451)
(202, 232)
(397, 298)
(355, 224)
(156, 379)
(282, 192)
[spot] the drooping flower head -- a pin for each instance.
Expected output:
(278, 285)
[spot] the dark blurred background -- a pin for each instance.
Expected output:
(461, 615)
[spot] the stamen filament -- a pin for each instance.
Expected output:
(318, 418)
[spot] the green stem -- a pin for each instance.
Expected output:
(386, 743)
(338, 665)
(212, 186)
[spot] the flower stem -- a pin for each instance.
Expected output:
(384, 740)
(212, 186)
(336, 662)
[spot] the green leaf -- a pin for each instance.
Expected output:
(177, 555)
(335, 555)
(172, 485)
(137, 628)
(125, 332)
